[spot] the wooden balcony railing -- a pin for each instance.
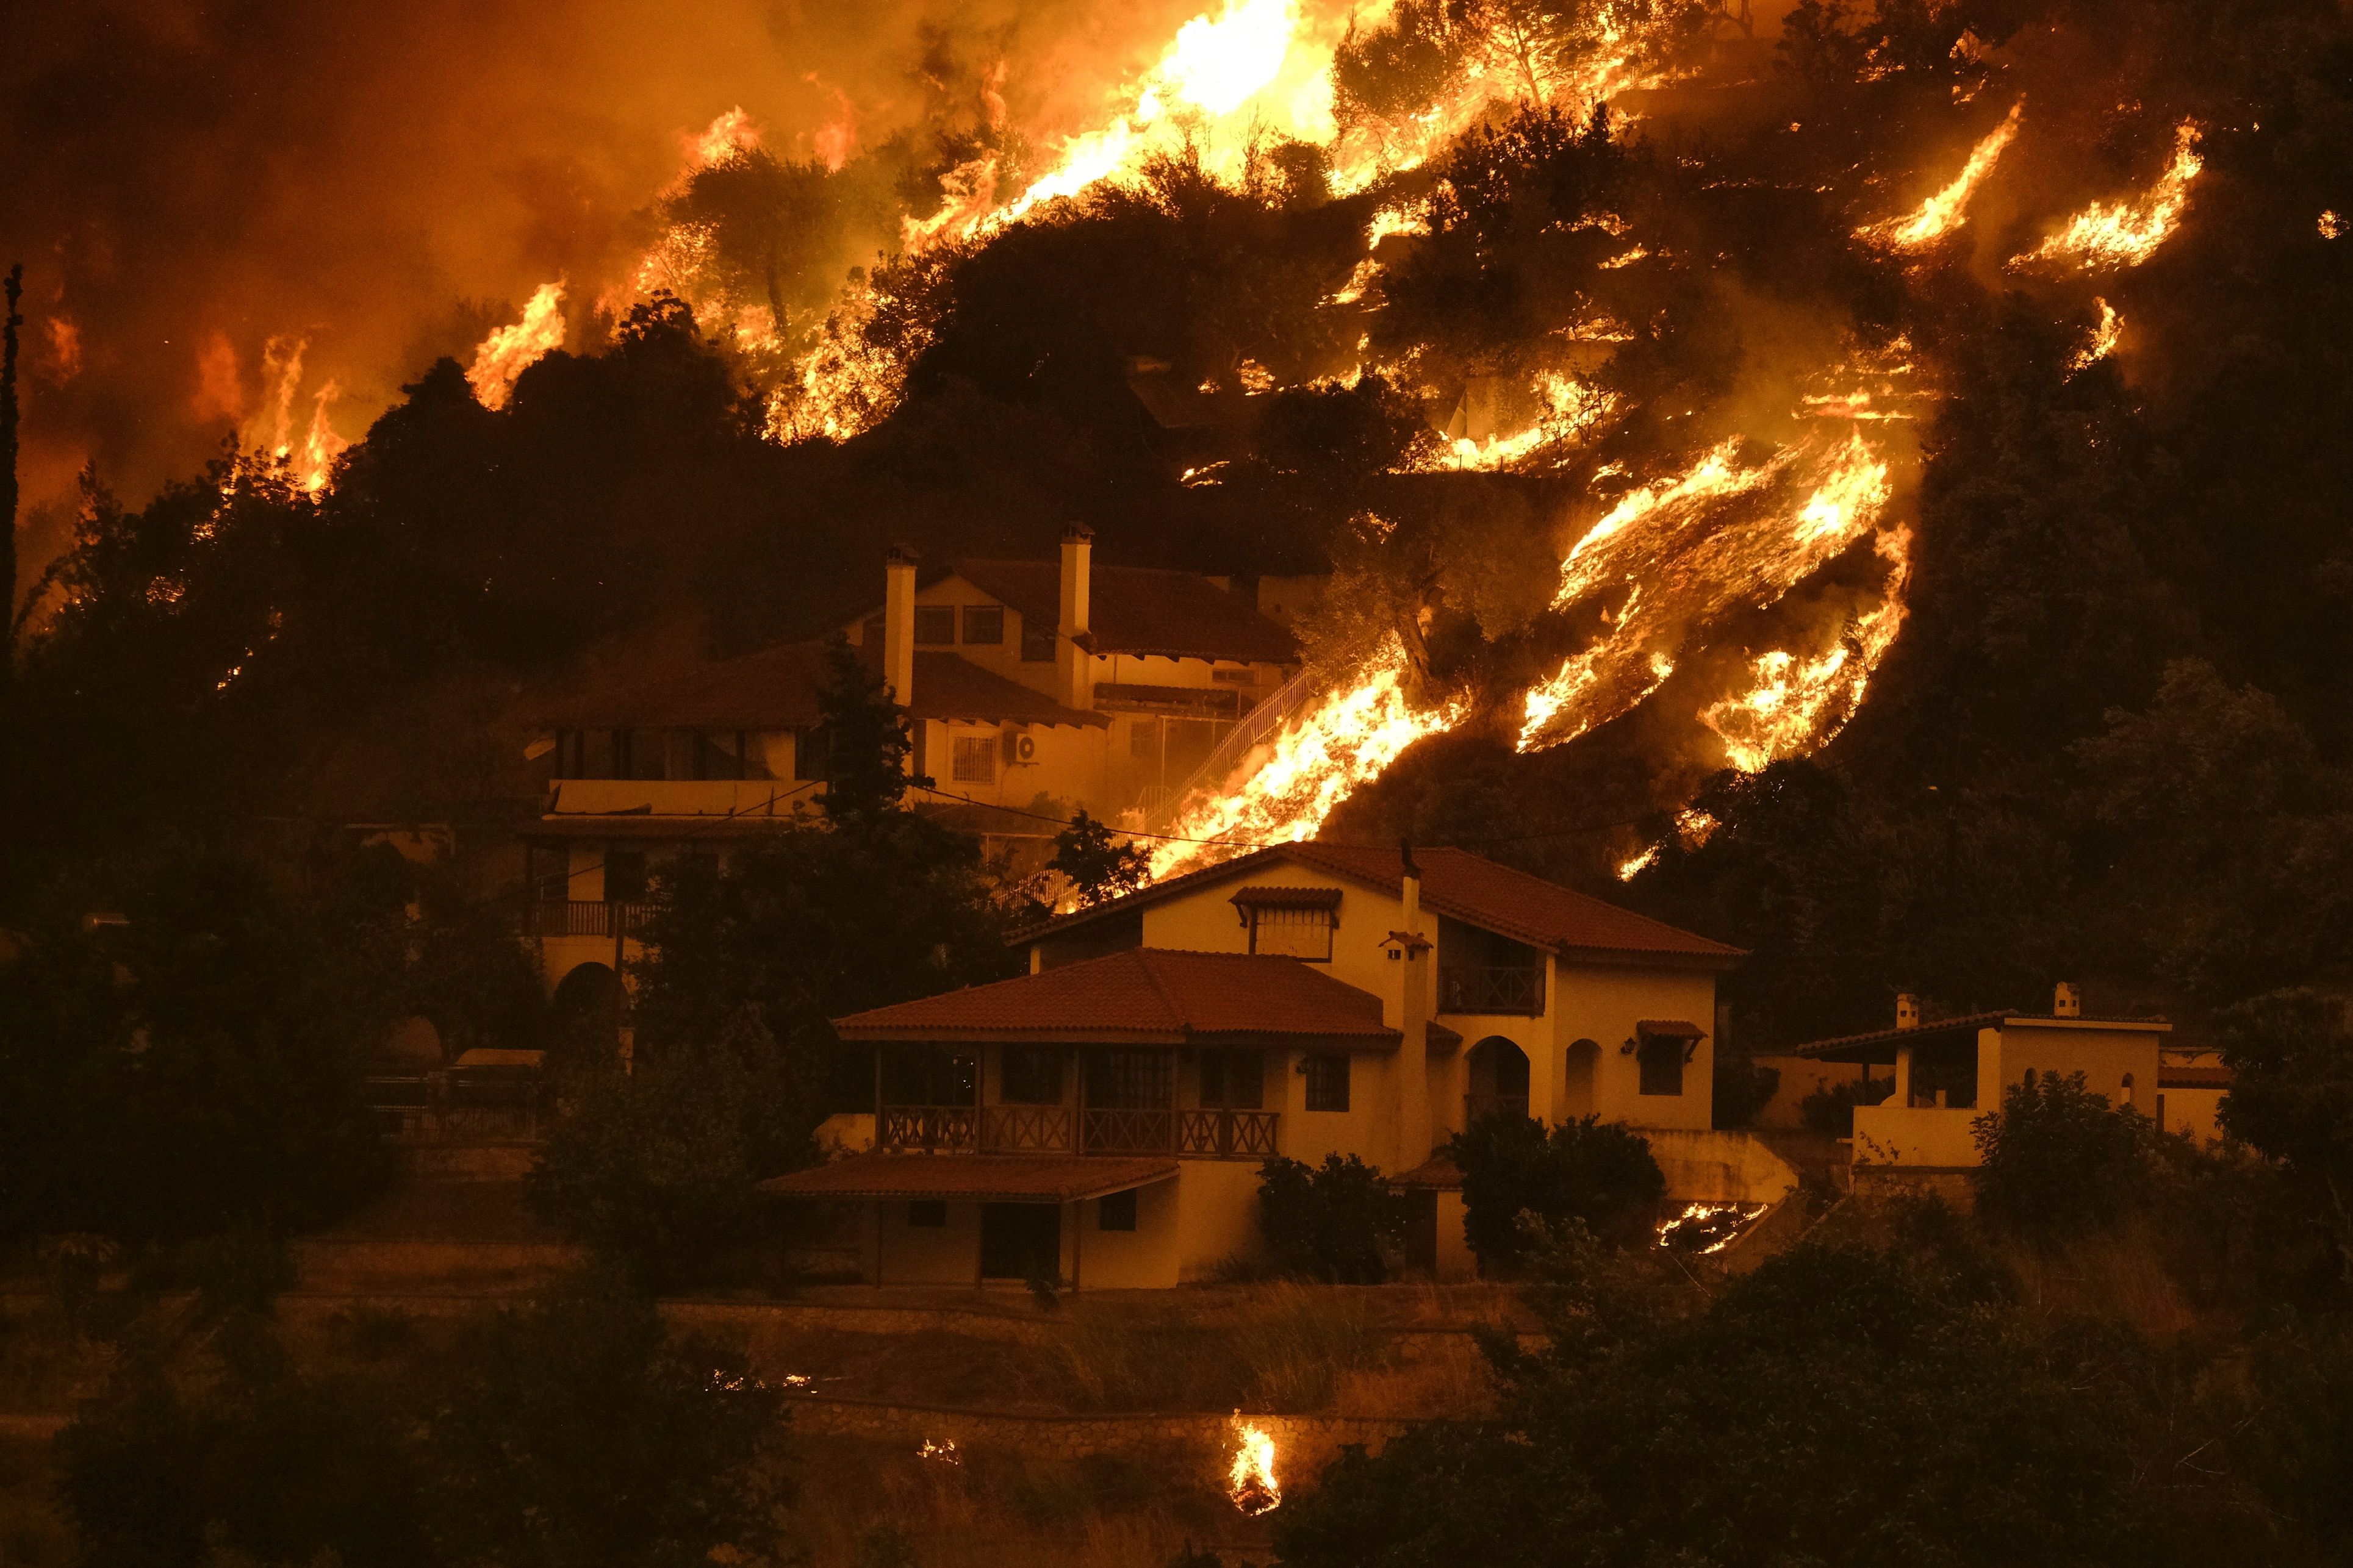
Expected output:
(586, 917)
(1094, 1130)
(1024, 1129)
(1491, 988)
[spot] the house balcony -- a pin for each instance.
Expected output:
(553, 917)
(1512, 989)
(681, 797)
(1199, 1134)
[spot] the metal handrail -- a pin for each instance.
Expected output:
(1253, 727)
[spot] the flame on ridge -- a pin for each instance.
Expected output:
(1946, 211)
(2102, 341)
(508, 352)
(1313, 763)
(2128, 233)
(1250, 1480)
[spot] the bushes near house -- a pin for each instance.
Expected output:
(2057, 1161)
(1829, 1109)
(1338, 1222)
(1599, 1173)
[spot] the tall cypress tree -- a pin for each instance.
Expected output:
(16, 289)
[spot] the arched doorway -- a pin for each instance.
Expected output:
(1499, 1081)
(585, 1018)
(1577, 1087)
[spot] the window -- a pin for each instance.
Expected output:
(549, 869)
(1037, 641)
(1327, 1081)
(976, 759)
(1030, 1075)
(1230, 676)
(1662, 1065)
(625, 876)
(1116, 1212)
(719, 755)
(984, 625)
(1292, 932)
(927, 1213)
(812, 750)
(1232, 1081)
(935, 625)
(1131, 1080)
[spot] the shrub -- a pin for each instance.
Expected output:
(2057, 1161)
(655, 1170)
(1599, 1174)
(1742, 1090)
(1829, 1111)
(1329, 1223)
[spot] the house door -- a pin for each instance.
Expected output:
(1021, 1241)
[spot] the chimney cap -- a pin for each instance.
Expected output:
(898, 555)
(2066, 1001)
(1077, 533)
(1907, 1010)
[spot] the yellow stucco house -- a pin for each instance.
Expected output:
(1102, 1119)
(1106, 688)
(1950, 1071)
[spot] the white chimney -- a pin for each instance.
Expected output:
(899, 623)
(1412, 1064)
(1074, 666)
(2066, 1002)
(1907, 1010)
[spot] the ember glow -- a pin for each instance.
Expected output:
(2127, 232)
(2104, 339)
(508, 352)
(1946, 211)
(1284, 791)
(1708, 1228)
(1250, 1480)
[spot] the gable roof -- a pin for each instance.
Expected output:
(1459, 886)
(1139, 610)
(1873, 1044)
(776, 688)
(1159, 996)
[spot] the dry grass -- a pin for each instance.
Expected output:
(2123, 1278)
(997, 1508)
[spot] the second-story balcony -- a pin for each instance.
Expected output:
(1515, 989)
(551, 918)
(1199, 1134)
(740, 798)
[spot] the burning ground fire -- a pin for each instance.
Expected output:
(1947, 210)
(2127, 232)
(1250, 1480)
(507, 353)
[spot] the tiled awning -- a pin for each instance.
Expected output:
(997, 1178)
(1669, 1029)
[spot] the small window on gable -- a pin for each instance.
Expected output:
(976, 759)
(935, 625)
(927, 1213)
(1116, 1212)
(984, 625)
(1327, 1081)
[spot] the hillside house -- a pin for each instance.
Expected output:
(1950, 1071)
(1102, 1119)
(1033, 688)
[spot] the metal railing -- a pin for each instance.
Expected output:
(1491, 988)
(447, 1104)
(586, 917)
(1254, 726)
(1209, 1135)
(1477, 1108)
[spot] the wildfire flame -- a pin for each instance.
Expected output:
(2104, 339)
(1947, 210)
(1797, 704)
(508, 352)
(1283, 792)
(2128, 233)
(1250, 1480)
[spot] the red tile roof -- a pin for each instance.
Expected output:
(776, 688)
(1871, 1045)
(1146, 996)
(1459, 886)
(1669, 1029)
(1039, 1179)
(1139, 610)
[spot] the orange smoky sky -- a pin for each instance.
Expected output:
(379, 184)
